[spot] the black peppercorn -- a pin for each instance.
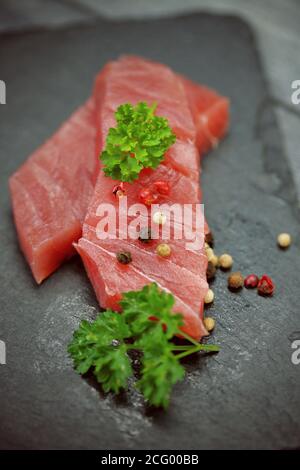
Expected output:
(124, 257)
(209, 238)
(210, 271)
(145, 235)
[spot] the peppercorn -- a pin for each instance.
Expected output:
(163, 249)
(209, 323)
(159, 218)
(251, 281)
(225, 261)
(209, 253)
(124, 257)
(209, 238)
(210, 271)
(145, 235)
(148, 197)
(209, 297)
(235, 281)
(284, 240)
(214, 260)
(265, 285)
(162, 187)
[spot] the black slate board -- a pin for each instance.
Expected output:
(248, 395)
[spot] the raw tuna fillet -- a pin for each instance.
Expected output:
(210, 113)
(51, 191)
(131, 79)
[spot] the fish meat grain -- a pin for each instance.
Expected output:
(50, 193)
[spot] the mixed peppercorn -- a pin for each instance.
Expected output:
(236, 281)
(124, 257)
(150, 195)
(251, 281)
(284, 240)
(265, 285)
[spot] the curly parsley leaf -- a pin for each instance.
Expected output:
(147, 324)
(100, 345)
(160, 372)
(147, 308)
(113, 367)
(139, 141)
(161, 368)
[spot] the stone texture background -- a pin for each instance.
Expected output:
(248, 395)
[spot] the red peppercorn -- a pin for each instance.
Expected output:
(148, 197)
(162, 187)
(265, 285)
(251, 281)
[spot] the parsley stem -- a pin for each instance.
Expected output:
(199, 347)
(189, 338)
(187, 348)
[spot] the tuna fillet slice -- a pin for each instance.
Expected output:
(210, 113)
(109, 279)
(133, 80)
(51, 191)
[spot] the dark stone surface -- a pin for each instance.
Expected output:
(247, 396)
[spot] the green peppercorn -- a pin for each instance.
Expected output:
(124, 257)
(145, 235)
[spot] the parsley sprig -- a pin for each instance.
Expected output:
(146, 324)
(139, 141)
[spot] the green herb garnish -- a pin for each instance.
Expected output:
(146, 324)
(139, 141)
